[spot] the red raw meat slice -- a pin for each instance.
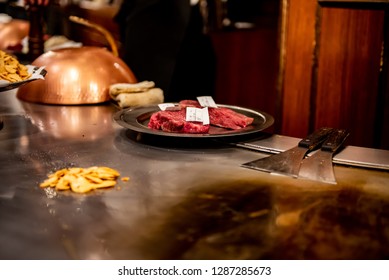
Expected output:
(227, 118)
(189, 103)
(174, 121)
(221, 117)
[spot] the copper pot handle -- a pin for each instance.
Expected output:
(108, 36)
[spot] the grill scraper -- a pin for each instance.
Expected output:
(319, 167)
(288, 162)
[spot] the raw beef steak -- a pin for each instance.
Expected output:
(174, 121)
(189, 103)
(221, 117)
(227, 118)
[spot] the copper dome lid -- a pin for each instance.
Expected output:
(78, 75)
(12, 33)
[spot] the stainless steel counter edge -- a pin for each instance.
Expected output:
(349, 155)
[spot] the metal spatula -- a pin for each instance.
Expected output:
(288, 162)
(319, 166)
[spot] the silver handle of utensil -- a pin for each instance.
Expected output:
(313, 140)
(335, 140)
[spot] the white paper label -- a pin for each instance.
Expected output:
(206, 101)
(197, 115)
(163, 106)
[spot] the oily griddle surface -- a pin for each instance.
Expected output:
(244, 220)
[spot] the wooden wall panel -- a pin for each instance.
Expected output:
(384, 125)
(348, 71)
(247, 66)
(332, 71)
(299, 48)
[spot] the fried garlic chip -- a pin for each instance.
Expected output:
(82, 180)
(11, 70)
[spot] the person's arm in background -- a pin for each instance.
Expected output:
(152, 34)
